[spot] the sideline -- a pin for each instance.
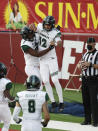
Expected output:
(67, 126)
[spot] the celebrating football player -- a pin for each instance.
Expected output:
(48, 62)
(29, 46)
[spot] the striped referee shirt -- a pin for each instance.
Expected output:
(91, 57)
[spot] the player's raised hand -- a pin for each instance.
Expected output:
(33, 27)
(52, 45)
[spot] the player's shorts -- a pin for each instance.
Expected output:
(31, 125)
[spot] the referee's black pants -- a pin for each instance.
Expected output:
(90, 98)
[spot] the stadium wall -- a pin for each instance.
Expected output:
(73, 45)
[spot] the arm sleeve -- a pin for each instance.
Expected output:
(25, 48)
(16, 113)
(58, 37)
(58, 34)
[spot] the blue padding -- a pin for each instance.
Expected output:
(73, 108)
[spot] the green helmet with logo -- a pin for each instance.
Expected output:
(33, 83)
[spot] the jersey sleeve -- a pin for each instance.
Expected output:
(25, 47)
(9, 86)
(17, 98)
(58, 36)
(46, 97)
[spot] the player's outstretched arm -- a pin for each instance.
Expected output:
(7, 94)
(37, 53)
(46, 115)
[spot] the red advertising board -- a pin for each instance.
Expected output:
(72, 15)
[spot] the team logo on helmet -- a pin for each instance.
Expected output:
(49, 20)
(33, 83)
(27, 33)
(3, 70)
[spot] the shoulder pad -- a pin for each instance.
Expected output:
(9, 86)
(25, 47)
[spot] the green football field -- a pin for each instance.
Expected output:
(69, 96)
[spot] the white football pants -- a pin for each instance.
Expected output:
(47, 68)
(5, 116)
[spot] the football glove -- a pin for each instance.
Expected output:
(51, 47)
(19, 121)
(44, 124)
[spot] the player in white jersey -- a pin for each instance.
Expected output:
(32, 102)
(48, 62)
(29, 46)
(5, 86)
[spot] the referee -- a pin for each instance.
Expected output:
(89, 67)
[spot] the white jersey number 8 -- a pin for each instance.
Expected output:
(31, 106)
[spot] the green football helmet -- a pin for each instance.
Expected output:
(27, 34)
(49, 20)
(33, 83)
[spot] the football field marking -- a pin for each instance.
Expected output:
(67, 126)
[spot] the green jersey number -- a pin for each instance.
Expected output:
(31, 106)
(43, 42)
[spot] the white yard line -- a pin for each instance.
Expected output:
(67, 126)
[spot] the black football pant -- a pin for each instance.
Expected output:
(90, 98)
